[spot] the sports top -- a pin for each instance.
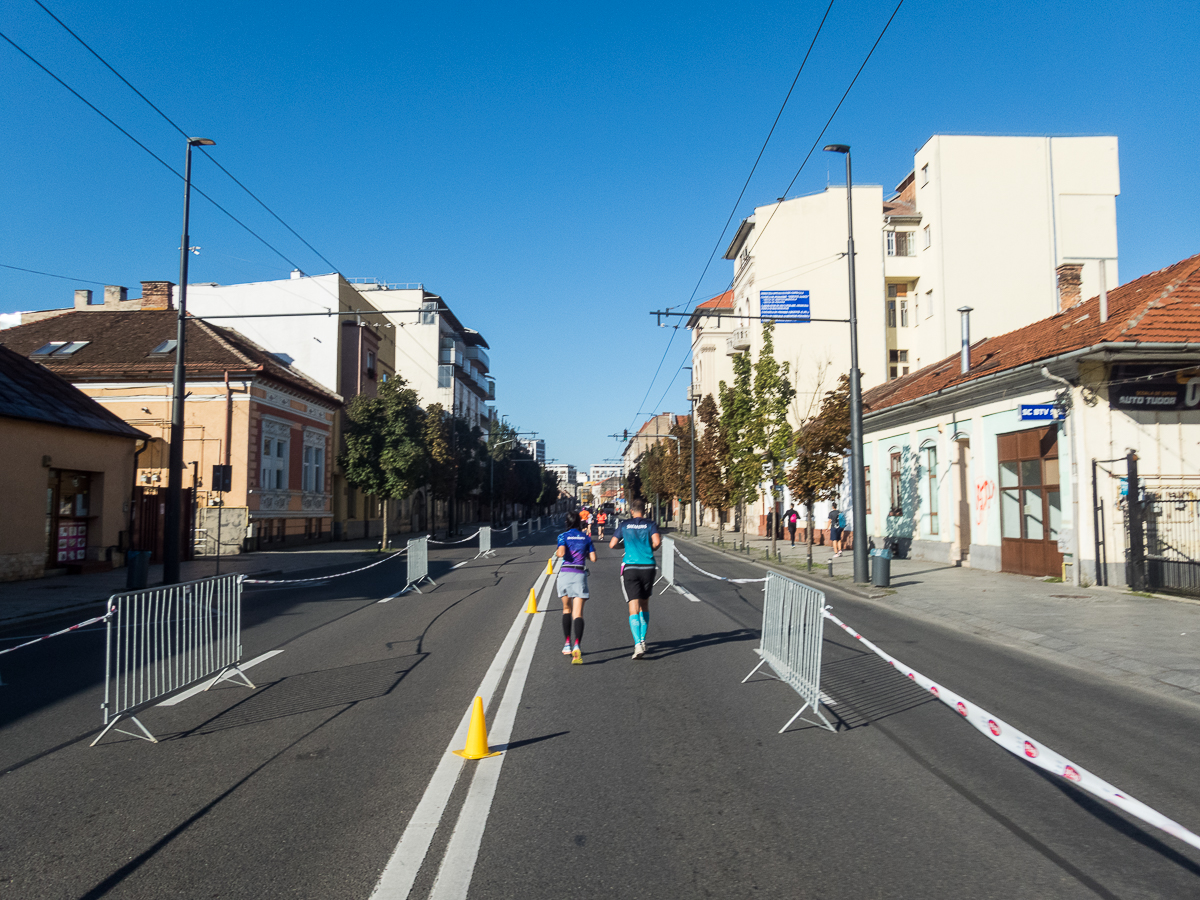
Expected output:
(636, 532)
(578, 547)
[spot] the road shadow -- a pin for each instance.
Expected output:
(1111, 817)
(513, 745)
(867, 689)
(663, 649)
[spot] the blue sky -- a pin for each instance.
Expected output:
(553, 172)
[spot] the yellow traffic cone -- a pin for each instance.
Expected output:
(550, 566)
(531, 606)
(477, 745)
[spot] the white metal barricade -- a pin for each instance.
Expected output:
(485, 542)
(668, 563)
(516, 530)
(792, 631)
(418, 564)
(164, 639)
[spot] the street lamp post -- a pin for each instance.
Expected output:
(858, 500)
(173, 524)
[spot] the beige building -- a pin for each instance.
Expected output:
(66, 478)
(247, 407)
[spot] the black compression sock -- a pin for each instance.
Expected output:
(566, 626)
(579, 630)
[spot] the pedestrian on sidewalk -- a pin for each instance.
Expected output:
(574, 549)
(837, 522)
(791, 518)
(637, 571)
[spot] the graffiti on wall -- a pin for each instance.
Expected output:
(985, 495)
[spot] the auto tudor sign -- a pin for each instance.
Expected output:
(1146, 388)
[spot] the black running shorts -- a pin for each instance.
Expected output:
(638, 582)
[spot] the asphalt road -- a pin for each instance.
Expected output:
(661, 777)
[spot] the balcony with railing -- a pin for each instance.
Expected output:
(479, 355)
(737, 342)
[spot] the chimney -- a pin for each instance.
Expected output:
(296, 273)
(157, 294)
(965, 353)
(114, 293)
(1070, 285)
(83, 299)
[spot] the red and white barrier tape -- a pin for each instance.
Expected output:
(64, 631)
(1020, 744)
(449, 543)
(323, 577)
(718, 577)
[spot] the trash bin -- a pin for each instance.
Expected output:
(137, 569)
(881, 567)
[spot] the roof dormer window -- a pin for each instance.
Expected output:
(165, 347)
(49, 348)
(60, 348)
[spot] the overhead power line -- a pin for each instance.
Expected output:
(737, 202)
(50, 274)
(811, 150)
(161, 161)
(172, 123)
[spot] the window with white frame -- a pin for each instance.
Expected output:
(273, 471)
(927, 237)
(313, 462)
(901, 243)
(924, 174)
(931, 482)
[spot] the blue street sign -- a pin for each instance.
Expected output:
(784, 304)
(1040, 412)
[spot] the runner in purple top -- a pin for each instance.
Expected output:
(574, 549)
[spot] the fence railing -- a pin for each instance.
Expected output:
(668, 563)
(165, 639)
(792, 632)
(485, 542)
(418, 564)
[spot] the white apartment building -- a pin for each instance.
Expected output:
(441, 359)
(537, 449)
(602, 471)
(1013, 227)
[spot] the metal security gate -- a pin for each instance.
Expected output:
(1167, 519)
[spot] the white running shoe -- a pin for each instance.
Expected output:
(567, 648)
(639, 649)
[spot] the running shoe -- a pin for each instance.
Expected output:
(567, 649)
(576, 656)
(639, 649)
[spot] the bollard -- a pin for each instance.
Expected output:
(831, 568)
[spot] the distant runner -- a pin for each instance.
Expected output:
(837, 522)
(637, 572)
(574, 549)
(791, 519)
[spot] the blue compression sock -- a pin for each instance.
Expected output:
(644, 618)
(635, 624)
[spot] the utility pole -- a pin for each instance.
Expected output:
(173, 536)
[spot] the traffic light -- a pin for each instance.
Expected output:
(626, 435)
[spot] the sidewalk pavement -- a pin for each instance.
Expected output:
(27, 601)
(1148, 642)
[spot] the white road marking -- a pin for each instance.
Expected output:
(394, 596)
(681, 589)
(401, 870)
(461, 564)
(193, 691)
(458, 865)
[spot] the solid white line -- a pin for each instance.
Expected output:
(398, 875)
(458, 865)
(193, 691)
(460, 565)
(681, 589)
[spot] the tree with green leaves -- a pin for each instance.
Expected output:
(772, 435)
(678, 468)
(385, 451)
(744, 471)
(820, 444)
(651, 469)
(443, 467)
(712, 461)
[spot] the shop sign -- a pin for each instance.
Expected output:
(1040, 412)
(1148, 388)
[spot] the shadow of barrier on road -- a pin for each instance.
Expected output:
(867, 689)
(310, 692)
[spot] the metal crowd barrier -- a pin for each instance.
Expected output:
(164, 639)
(418, 563)
(485, 542)
(516, 530)
(792, 630)
(668, 563)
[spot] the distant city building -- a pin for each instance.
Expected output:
(567, 478)
(603, 471)
(537, 449)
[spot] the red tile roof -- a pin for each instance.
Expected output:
(721, 301)
(1163, 306)
(119, 346)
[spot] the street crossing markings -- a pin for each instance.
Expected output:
(401, 870)
(193, 691)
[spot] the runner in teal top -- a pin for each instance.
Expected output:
(637, 572)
